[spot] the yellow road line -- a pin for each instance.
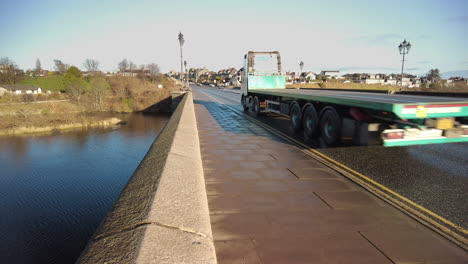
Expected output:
(314, 152)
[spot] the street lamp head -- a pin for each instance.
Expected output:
(301, 64)
(181, 39)
(404, 47)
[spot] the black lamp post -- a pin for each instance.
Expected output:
(404, 48)
(186, 72)
(301, 65)
(181, 43)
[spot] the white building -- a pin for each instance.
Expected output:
(330, 74)
(22, 89)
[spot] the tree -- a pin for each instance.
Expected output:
(436, 86)
(74, 71)
(433, 74)
(38, 66)
(131, 66)
(123, 65)
(8, 72)
(5, 61)
(60, 66)
(91, 65)
(98, 88)
(73, 84)
(154, 70)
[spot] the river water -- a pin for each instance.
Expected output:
(55, 189)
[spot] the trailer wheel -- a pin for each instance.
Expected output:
(310, 122)
(245, 106)
(256, 106)
(330, 126)
(296, 117)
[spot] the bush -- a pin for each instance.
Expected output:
(27, 98)
(322, 85)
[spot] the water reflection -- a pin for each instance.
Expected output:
(56, 188)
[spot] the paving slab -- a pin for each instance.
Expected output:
(271, 203)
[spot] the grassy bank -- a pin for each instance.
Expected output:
(50, 83)
(85, 97)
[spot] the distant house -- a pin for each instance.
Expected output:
(5, 68)
(22, 89)
(374, 79)
(236, 78)
(290, 77)
(134, 72)
(90, 73)
(331, 74)
(309, 75)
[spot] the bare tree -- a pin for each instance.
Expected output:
(153, 69)
(131, 66)
(8, 72)
(75, 90)
(123, 65)
(97, 90)
(433, 75)
(60, 66)
(38, 66)
(6, 62)
(91, 65)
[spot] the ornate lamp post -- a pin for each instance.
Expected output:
(301, 65)
(404, 48)
(181, 43)
(186, 72)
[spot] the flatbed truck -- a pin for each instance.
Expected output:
(363, 118)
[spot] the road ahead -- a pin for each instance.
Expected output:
(433, 176)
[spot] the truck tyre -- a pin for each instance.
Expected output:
(249, 101)
(256, 106)
(310, 122)
(245, 106)
(330, 126)
(296, 117)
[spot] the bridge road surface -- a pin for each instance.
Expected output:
(434, 176)
(271, 203)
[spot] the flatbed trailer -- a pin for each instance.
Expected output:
(361, 117)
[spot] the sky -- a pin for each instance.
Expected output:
(350, 36)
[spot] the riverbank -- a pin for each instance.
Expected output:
(21, 114)
(54, 123)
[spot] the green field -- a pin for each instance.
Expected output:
(52, 83)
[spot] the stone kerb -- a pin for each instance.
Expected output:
(162, 214)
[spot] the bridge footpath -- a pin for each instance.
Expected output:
(271, 203)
